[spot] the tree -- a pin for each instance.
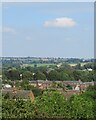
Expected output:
(78, 66)
(53, 75)
(49, 105)
(13, 74)
(65, 66)
(36, 91)
(64, 76)
(40, 76)
(92, 76)
(17, 109)
(27, 75)
(77, 75)
(25, 85)
(81, 108)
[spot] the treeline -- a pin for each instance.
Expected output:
(37, 60)
(52, 104)
(51, 72)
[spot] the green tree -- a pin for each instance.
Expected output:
(17, 109)
(64, 76)
(13, 74)
(53, 75)
(78, 66)
(77, 75)
(49, 105)
(81, 108)
(27, 75)
(40, 76)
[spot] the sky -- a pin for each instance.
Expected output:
(48, 29)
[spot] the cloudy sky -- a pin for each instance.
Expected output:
(48, 29)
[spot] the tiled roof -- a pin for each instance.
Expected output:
(18, 93)
(40, 81)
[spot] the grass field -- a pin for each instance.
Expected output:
(74, 64)
(38, 65)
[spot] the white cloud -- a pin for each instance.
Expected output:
(7, 30)
(60, 22)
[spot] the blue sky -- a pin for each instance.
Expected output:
(48, 29)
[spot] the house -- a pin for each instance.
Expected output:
(44, 84)
(14, 93)
(33, 83)
(77, 87)
(73, 84)
(83, 87)
(89, 83)
(41, 84)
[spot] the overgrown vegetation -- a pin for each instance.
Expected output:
(52, 104)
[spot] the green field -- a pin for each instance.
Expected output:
(38, 65)
(74, 64)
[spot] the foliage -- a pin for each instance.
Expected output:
(27, 75)
(53, 75)
(49, 105)
(91, 88)
(17, 109)
(36, 91)
(50, 72)
(13, 74)
(40, 76)
(81, 107)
